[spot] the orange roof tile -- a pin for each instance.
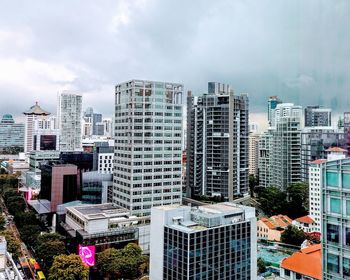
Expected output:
(318, 161)
(307, 262)
(305, 219)
(277, 221)
(335, 149)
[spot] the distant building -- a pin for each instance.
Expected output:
(69, 115)
(34, 115)
(217, 143)
(264, 158)
(215, 241)
(346, 125)
(272, 228)
(304, 264)
(254, 154)
(96, 187)
(314, 143)
(271, 106)
(11, 134)
(335, 207)
(317, 116)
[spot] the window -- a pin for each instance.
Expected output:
(333, 233)
(332, 179)
(332, 263)
(346, 180)
(335, 205)
(347, 236)
(346, 267)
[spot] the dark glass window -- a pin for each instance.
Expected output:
(333, 233)
(332, 263)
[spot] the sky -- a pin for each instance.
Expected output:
(298, 50)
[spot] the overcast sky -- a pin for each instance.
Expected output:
(298, 50)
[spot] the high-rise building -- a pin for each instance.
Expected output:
(271, 106)
(216, 241)
(336, 219)
(314, 143)
(69, 116)
(217, 143)
(346, 125)
(283, 148)
(148, 140)
(253, 154)
(264, 158)
(36, 120)
(11, 134)
(317, 116)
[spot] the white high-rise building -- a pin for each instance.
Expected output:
(69, 115)
(148, 141)
(253, 154)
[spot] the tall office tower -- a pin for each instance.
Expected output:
(336, 219)
(107, 127)
(253, 154)
(217, 143)
(346, 124)
(69, 114)
(264, 158)
(314, 143)
(94, 120)
(148, 139)
(11, 134)
(271, 106)
(34, 115)
(217, 241)
(284, 152)
(317, 116)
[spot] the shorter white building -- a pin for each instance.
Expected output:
(8, 268)
(203, 242)
(306, 224)
(89, 223)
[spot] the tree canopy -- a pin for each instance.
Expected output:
(68, 267)
(13, 246)
(292, 235)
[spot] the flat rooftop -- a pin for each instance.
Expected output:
(99, 211)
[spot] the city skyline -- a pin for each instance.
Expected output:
(252, 41)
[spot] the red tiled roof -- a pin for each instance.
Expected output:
(277, 221)
(307, 262)
(318, 161)
(305, 219)
(335, 149)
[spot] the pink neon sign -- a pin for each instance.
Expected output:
(87, 254)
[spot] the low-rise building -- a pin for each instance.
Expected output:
(305, 223)
(105, 225)
(304, 264)
(272, 228)
(8, 268)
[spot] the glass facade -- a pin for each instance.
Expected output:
(215, 253)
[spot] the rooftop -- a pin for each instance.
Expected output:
(307, 262)
(318, 161)
(305, 220)
(98, 211)
(336, 149)
(277, 221)
(36, 110)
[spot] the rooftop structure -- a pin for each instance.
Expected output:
(272, 228)
(185, 230)
(304, 264)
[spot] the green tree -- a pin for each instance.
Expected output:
(47, 237)
(272, 201)
(68, 267)
(2, 222)
(298, 200)
(26, 218)
(46, 251)
(29, 234)
(292, 235)
(126, 263)
(253, 182)
(261, 265)
(13, 245)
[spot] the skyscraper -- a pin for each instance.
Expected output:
(69, 114)
(283, 147)
(317, 116)
(148, 139)
(34, 116)
(217, 143)
(216, 241)
(336, 219)
(271, 106)
(253, 153)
